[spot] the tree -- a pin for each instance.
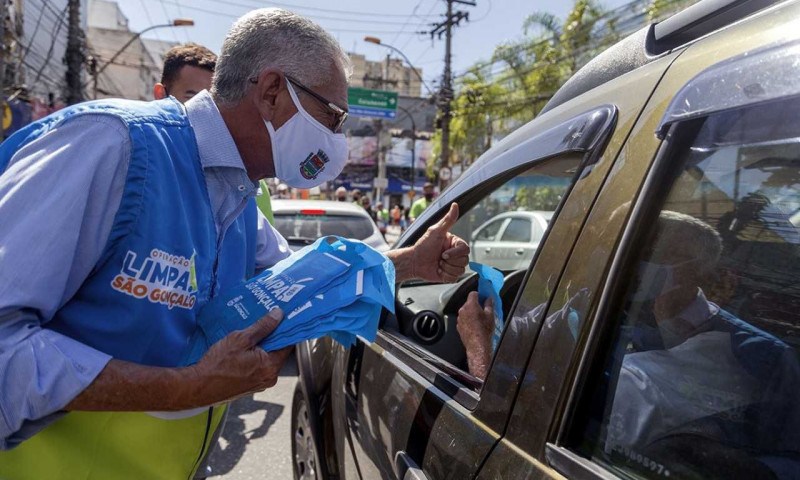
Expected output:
(490, 102)
(495, 97)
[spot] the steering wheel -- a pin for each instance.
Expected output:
(431, 322)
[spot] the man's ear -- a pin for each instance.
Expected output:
(270, 83)
(159, 91)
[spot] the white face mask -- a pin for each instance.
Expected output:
(305, 152)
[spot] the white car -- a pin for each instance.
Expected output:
(302, 222)
(509, 240)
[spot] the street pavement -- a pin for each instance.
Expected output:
(255, 443)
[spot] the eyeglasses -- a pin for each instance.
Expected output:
(339, 114)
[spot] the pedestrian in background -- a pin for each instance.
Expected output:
(187, 71)
(396, 214)
(421, 204)
(356, 196)
(366, 204)
(381, 217)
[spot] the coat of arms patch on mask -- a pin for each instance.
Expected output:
(313, 165)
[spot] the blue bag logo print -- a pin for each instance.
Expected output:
(334, 287)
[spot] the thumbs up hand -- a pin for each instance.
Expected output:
(439, 256)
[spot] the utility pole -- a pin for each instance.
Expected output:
(73, 56)
(452, 19)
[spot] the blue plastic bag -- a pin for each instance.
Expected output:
(490, 281)
(334, 287)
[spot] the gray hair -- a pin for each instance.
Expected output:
(275, 38)
(685, 233)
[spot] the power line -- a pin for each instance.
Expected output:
(167, 20)
(180, 12)
(370, 20)
(30, 42)
(341, 30)
(615, 15)
(150, 19)
(433, 5)
(52, 43)
(413, 11)
(324, 10)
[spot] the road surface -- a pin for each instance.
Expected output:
(255, 441)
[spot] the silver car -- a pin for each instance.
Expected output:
(302, 222)
(509, 240)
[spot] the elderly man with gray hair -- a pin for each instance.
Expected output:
(121, 219)
(693, 370)
(687, 367)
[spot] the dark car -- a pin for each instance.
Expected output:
(654, 333)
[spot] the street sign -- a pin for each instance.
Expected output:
(363, 102)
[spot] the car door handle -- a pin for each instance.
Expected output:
(520, 251)
(407, 469)
(487, 249)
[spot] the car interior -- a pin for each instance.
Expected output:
(426, 314)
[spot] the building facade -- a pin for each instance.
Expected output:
(135, 70)
(389, 74)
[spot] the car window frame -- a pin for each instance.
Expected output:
(650, 200)
(587, 134)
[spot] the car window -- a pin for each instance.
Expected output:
(541, 188)
(518, 230)
(427, 313)
(489, 232)
(701, 375)
(311, 227)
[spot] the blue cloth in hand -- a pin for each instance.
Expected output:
(490, 281)
(334, 287)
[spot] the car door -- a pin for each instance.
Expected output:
(515, 247)
(591, 396)
(399, 404)
(485, 240)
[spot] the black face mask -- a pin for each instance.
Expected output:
(429, 196)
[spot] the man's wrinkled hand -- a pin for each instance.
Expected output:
(475, 325)
(440, 256)
(237, 365)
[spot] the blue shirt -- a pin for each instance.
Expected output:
(58, 199)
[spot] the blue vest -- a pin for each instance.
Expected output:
(160, 265)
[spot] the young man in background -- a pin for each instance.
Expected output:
(188, 70)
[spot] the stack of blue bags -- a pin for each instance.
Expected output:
(334, 287)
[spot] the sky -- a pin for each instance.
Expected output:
(491, 22)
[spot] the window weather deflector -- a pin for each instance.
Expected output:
(582, 133)
(756, 77)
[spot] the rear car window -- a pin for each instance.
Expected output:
(518, 230)
(311, 227)
(701, 375)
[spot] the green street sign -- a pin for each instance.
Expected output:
(363, 102)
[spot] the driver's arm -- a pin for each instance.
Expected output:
(475, 325)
